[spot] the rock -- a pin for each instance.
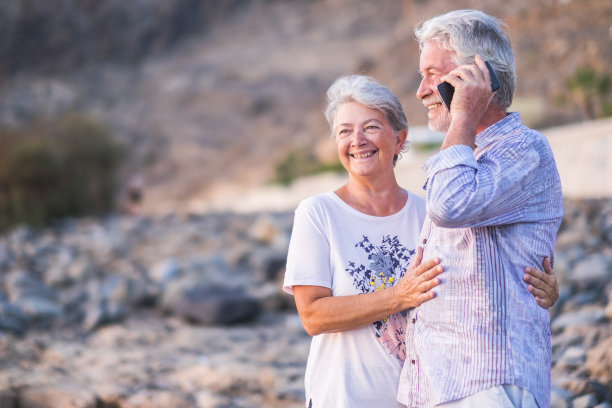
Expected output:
(599, 360)
(12, 319)
(22, 284)
(210, 305)
(593, 269)
(165, 271)
(586, 316)
(156, 399)
(573, 356)
(106, 282)
(585, 401)
(608, 310)
(101, 313)
(267, 263)
(269, 231)
(57, 396)
(559, 397)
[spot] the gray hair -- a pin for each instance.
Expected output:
(368, 92)
(471, 32)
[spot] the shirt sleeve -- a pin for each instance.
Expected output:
(308, 258)
(493, 190)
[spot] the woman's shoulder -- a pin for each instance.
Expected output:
(317, 202)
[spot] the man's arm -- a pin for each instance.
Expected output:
(462, 192)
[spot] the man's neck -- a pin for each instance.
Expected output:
(463, 131)
(491, 117)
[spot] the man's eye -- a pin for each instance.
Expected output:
(343, 132)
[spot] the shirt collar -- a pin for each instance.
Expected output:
(504, 126)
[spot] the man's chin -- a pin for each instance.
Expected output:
(439, 124)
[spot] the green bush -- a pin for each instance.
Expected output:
(302, 162)
(57, 169)
(592, 91)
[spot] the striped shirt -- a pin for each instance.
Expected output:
(490, 212)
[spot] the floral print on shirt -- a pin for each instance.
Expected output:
(387, 264)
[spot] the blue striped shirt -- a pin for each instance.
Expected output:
(490, 212)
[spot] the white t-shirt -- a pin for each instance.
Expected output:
(335, 246)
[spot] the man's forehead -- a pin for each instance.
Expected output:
(435, 57)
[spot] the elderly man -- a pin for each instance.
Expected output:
(493, 205)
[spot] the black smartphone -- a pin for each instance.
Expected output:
(447, 91)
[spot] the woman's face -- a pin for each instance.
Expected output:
(366, 142)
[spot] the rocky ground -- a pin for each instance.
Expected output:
(188, 312)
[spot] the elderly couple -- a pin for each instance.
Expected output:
(434, 302)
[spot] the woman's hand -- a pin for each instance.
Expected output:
(321, 312)
(542, 285)
(416, 285)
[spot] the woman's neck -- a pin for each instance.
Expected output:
(380, 199)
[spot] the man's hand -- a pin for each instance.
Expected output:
(542, 285)
(470, 102)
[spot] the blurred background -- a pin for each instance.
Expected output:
(192, 101)
(152, 153)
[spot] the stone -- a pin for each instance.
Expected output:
(591, 270)
(559, 397)
(599, 360)
(165, 271)
(585, 316)
(12, 319)
(209, 305)
(156, 399)
(573, 356)
(584, 401)
(150, 312)
(608, 309)
(57, 396)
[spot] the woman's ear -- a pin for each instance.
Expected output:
(402, 135)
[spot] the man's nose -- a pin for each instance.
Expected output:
(424, 89)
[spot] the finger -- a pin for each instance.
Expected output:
(417, 258)
(533, 280)
(432, 272)
(538, 293)
(427, 265)
(536, 277)
(543, 302)
(426, 296)
(430, 284)
(483, 67)
(547, 266)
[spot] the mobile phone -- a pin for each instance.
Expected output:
(447, 91)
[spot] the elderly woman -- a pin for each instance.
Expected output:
(354, 264)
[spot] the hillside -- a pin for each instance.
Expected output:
(209, 96)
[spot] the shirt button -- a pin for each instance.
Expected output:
(413, 362)
(413, 320)
(424, 241)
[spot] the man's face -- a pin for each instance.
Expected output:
(434, 63)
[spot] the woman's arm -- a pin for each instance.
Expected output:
(543, 285)
(320, 312)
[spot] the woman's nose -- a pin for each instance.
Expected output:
(358, 138)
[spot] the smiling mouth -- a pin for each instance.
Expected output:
(363, 155)
(433, 105)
